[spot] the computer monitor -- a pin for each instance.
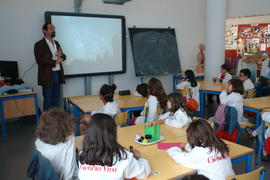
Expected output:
(9, 69)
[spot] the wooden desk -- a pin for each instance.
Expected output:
(165, 167)
(172, 170)
(126, 135)
(17, 105)
(89, 103)
(212, 86)
(209, 87)
(257, 105)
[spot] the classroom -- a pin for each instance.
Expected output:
(134, 89)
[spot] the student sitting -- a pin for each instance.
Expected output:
(233, 97)
(223, 76)
(110, 107)
(141, 90)
(56, 142)
(103, 158)
(106, 94)
(177, 115)
(258, 132)
(205, 152)
(156, 97)
(244, 76)
(263, 86)
(191, 83)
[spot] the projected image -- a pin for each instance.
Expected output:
(91, 44)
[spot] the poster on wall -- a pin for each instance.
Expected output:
(263, 47)
(231, 37)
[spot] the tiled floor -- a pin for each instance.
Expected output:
(15, 154)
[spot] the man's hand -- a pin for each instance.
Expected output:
(59, 53)
(59, 60)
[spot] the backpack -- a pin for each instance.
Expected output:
(220, 117)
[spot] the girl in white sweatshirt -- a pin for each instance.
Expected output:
(106, 93)
(156, 97)
(177, 115)
(205, 152)
(56, 142)
(191, 83)
(102, 158)
(233, 97)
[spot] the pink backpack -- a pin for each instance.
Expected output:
(220, 115)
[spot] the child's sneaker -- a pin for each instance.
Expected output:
(251, 134)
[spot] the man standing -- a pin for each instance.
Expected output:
(49, 57)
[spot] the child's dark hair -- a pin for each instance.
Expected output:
(227, 67)
(142, 89)
(100, 145)
(237, 86)
(107, 92)
(177, 101)
(156, 89)
(246, 72)
(201, 134)
(195, 177)
(190, 76)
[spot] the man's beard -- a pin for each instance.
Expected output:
(53, 34)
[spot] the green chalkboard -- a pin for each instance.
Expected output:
(154, 51)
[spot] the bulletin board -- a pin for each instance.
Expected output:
(250, 38)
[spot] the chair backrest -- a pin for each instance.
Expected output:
(145, 112)
(250, 93)
(121, 118)
(257, 174)
(184, 91)
(195, 118)
(66, 106)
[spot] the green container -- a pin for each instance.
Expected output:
(154, 131)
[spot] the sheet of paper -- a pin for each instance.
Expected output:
(263, 47)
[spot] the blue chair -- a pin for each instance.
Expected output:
(257, 174)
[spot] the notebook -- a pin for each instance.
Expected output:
(165, 146)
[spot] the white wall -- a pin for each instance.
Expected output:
(238, 8)
(249, 20)
(21, 22)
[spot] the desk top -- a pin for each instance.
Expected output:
(212, 86)
(92, 102)
(183, 73)
(126, 135)
(257, 103)
(266, 110)
(18, 94)
(173, 170)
